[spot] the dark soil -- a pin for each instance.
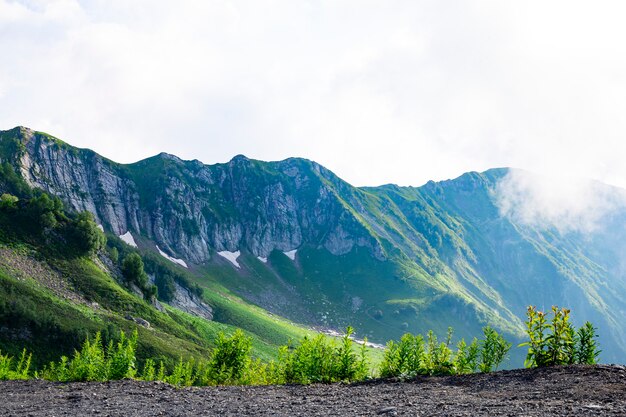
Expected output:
(562, 391)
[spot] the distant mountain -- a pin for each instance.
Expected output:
(296, 240)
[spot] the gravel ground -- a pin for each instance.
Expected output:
(562, 391)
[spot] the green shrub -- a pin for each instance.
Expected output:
(319, 359)
(8, 202)
(350, 365)
(160, 376)
(310, 361)
(536, 329)
(438, 357)
(586, 350)
(121, 362)
(413, 356)
(84, 235)
(262, 373)
(230, 359)
(149, 371)
(95, 363)
(493, 350)
(556, 342)
(466, 357)
(21, 369)
(132, 269)
(404, 358)
(560, 340)
(183, 375)
(89, 363)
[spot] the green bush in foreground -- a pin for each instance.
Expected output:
(555, 341)
(493, 350)
(230, 360)
(94, 362)
(18, 371)
(413, 355)
(321, 359)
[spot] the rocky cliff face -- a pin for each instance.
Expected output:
(191, 210)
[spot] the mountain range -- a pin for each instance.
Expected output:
(294, 240)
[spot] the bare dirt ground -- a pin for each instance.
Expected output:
(561, 391)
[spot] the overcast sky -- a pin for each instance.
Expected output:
(378, 91)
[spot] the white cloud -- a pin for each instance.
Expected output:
(378, 91)
(568, 204)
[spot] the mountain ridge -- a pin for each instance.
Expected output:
(441, 252)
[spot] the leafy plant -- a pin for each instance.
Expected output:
(160, 376)
(318, 359)
(439, 355)
(536, 329)
(560, 341)
(556, 342)
(231, 358)
(183, 375)
(21, 369)
(95, 363)
(413, 356)
(493, 350)
(89, 364)
(466, 358)
(149, 372)
(404, 358)
(120, 362)
(132, 269)
(350, 365)
(586, 351)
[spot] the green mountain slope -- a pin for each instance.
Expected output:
(297, 241)
(53, 295)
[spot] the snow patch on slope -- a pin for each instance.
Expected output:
(175, 260)
(100, 227)
(128, 238)
(262, 259)
(291, 254)
(230, 256)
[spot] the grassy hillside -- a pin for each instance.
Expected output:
(52, 297)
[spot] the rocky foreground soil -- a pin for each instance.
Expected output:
(563, 391)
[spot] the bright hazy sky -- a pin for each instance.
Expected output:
(378, 91)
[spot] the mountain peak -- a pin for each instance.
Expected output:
(239, 158)
(19, 132)
(169, 156)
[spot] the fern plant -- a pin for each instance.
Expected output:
(21, 369)
(95, 363)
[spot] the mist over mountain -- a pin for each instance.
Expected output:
(298, 241)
